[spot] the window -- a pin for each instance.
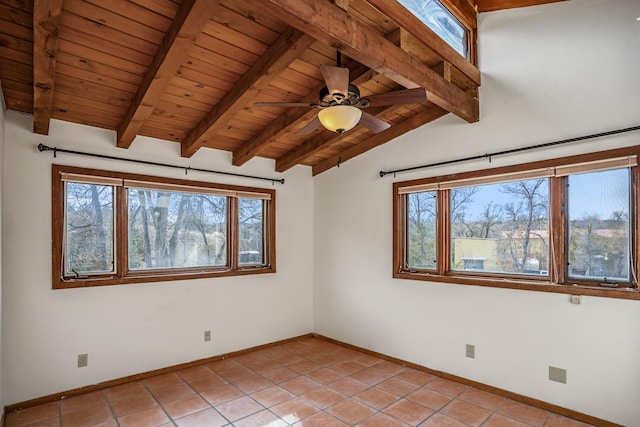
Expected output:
(114, 228)
(438, 18)
(553, 225)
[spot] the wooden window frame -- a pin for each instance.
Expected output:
(557, 229)
(122, 273)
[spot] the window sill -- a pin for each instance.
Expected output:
(522, 284)
(148, 278)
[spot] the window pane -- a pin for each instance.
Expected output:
(176, 230)
(421, 230)
(501, 228)
(251, 230)
(435, 16)
(599, 226)
(88, 229)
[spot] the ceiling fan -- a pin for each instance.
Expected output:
(341, 105)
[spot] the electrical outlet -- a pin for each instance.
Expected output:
(207, 335)
(575, 299)
(83, 360)
(471, 351)
(557, 374)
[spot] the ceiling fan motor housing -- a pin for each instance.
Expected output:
(350, 98)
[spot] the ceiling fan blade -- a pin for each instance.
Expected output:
(310, 127)
(336, 78)
(405, 96)
(373, 123)
(284, 104)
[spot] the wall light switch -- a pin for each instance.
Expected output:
(471, 351)
(207, 335)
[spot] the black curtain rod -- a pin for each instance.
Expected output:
(513, 150)
(42, 147)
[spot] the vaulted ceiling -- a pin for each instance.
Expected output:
(190, 71)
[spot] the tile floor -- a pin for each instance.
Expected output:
(309, 382)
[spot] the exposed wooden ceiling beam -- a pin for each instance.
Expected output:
(394, 131)
(493, 5)
(333, 26)
(407, 20)
(286, 121)
(464, 10)
(46, 25)
(274, 60)
(187, 25)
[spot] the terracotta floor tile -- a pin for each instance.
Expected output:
(482, 398)
(324, 375)
(221, 394)
(414, 376)
(376, 398)
(172, 392)
(47, 422)
(280, 375)
(429, 398)
(524, 413)
(444, 386)
(148, 417)
(497, 420)
(294, 410)
(300, 385)
(122, 407)
(409, 412)
(366, 359)
(90, 416)
(323, 397)
(239, 408)
(560, 421)
(237, 373)
(111, 423)
(321, 419)
(206, 382)
(381, 420)
(440, 420)
(390, 367)
(371, 376)
(260, 366)
(304, 366)
(126, 391)
(162, 381)
(327, 359)
(83, 401)
(262, 418)
(351, 411)
(208, 417)
(398, 386)
(272, 396)
(348, 386)
(253, 384)
(347, 367)
(222, 365)
(195, 372)
(31, 415)
(186, 406)
(466, 412)
(287, 358)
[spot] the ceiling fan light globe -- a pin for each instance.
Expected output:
(339, 118)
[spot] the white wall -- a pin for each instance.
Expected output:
(549, 72)
(129, 329)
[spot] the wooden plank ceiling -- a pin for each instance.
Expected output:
(190, 71)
